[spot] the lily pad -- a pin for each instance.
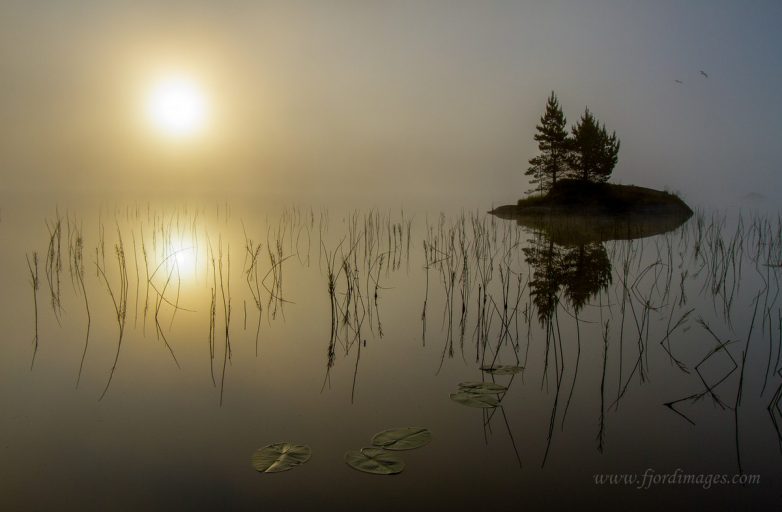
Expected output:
(483, 400)
(278, 457)
(406, 438)
(502, 369)
(374, 460)
(482, 387)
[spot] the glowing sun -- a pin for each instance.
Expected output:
(176, 106)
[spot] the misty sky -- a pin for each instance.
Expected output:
(390, 99)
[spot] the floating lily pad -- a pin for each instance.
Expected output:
(280, 457)
(374, 460)
(482, 387)
(483, 400)
(502, 369)
(406, 438)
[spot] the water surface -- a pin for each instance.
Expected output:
(212, 329)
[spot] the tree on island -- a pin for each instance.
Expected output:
(553, 143)
(587, 154)
(594, 153)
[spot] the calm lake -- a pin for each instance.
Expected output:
(149, 349)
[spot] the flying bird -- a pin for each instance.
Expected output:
(704, 73)
(678, 81)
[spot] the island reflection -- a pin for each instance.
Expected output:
(567, 253)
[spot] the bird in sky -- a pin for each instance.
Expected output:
(678, 81)
(704, 73)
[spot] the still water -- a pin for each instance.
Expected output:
(149, 349)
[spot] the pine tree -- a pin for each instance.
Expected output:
(610, 153)
(586, 145)
(553, 144)
(595, 153)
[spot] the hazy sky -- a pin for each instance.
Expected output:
(389, 99)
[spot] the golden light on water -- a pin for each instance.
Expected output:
(186, 261)
(177, 106)
(175, 264)
(181, 259)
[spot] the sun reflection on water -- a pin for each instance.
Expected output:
(180, 259)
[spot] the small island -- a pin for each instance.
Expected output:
(569, 216)
(570, 176)
(574, 197)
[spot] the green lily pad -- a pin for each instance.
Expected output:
(406, 438)
(502, 369)
(483, 400)
(482, 387)
(374, 460)
(280, 457)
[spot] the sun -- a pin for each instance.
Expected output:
(176, 106)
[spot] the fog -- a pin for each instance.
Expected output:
(405, 100)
